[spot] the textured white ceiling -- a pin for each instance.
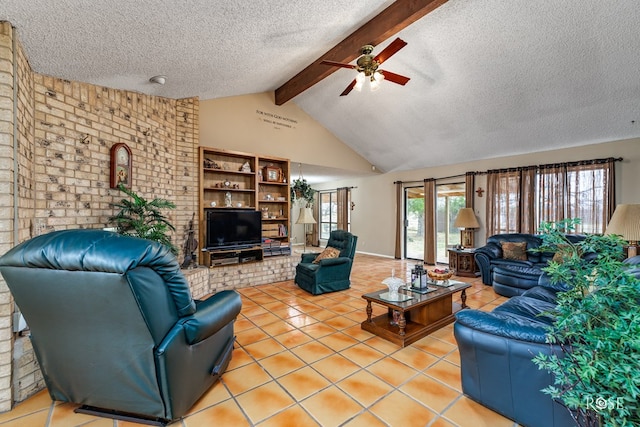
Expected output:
(488, 78)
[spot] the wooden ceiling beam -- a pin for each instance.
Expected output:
(390, 21)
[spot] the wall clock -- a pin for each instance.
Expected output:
(121, 161)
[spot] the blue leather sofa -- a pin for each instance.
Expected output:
(496, 350)
(114, 326)
(513, 277)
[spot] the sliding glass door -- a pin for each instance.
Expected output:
(450, 199)
(414, 222)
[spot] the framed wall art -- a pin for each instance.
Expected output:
(121, 166)
(272, 174)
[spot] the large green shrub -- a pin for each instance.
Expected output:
(597, 326)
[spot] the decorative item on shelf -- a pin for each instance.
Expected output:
(281, 199)
(625, 222)
(227, 199)
(239, 205)
(268, 197)
(226, 183)
(210, 164)
(466, 221)
(121, 166)
(214, 204)
(272, 173)
(236, 186)
(440, 274)
(305, 217)
(246, 167)
(265, 213)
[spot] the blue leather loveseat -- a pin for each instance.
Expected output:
(510, 277)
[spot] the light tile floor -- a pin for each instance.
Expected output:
(303, 360)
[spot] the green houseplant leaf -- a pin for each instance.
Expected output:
(597, 328)
(139, 217)
(301, 190)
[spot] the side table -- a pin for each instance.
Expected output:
(463, 263)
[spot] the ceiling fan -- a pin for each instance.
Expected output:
(367, 67)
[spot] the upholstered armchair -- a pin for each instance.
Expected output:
(114, 326)
(329, 274)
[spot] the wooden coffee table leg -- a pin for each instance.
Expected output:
(402, 323)
(369, 311)
(463, 297)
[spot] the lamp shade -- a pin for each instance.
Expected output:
(305, 217)
(466, 219)
(625, 222)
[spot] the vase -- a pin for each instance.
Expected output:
(393, 283)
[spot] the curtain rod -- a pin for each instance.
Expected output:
(423, 180)
(576, 163)
(334, 189)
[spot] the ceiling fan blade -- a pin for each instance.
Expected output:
(395, 46)
(395, 78)
(349, 88)
(338, 64)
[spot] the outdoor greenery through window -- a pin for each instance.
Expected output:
(520, 199)
(450, 198)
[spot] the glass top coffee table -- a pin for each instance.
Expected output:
(417, 313)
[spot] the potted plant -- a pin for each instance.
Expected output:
(141, 218)
(301, 190)
(597, 328)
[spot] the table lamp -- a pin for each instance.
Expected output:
(305, 217)
(466, 220)
(625, 222)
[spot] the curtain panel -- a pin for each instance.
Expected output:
(398, 251)
(430, 221)
(519, 199)
(469, 186)
(315, 233)
(343, 208)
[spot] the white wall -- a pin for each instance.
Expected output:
(373, 219)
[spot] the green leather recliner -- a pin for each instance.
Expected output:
(332, 274)
(114, 326)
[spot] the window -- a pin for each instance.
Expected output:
(450, 198)
(520, 199)
(329, 208)
(328, 213)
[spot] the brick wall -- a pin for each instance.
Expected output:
(6, 204)
(205, 281)
(65, 131)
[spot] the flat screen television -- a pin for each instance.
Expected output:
(233, 228)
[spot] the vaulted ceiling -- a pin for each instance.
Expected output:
(488, 78)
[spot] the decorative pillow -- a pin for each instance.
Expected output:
(563, 252)
(328, 252)
(514, 250)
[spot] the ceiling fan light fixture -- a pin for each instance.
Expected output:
(360, 79)
(374, 85)
(376, 79)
